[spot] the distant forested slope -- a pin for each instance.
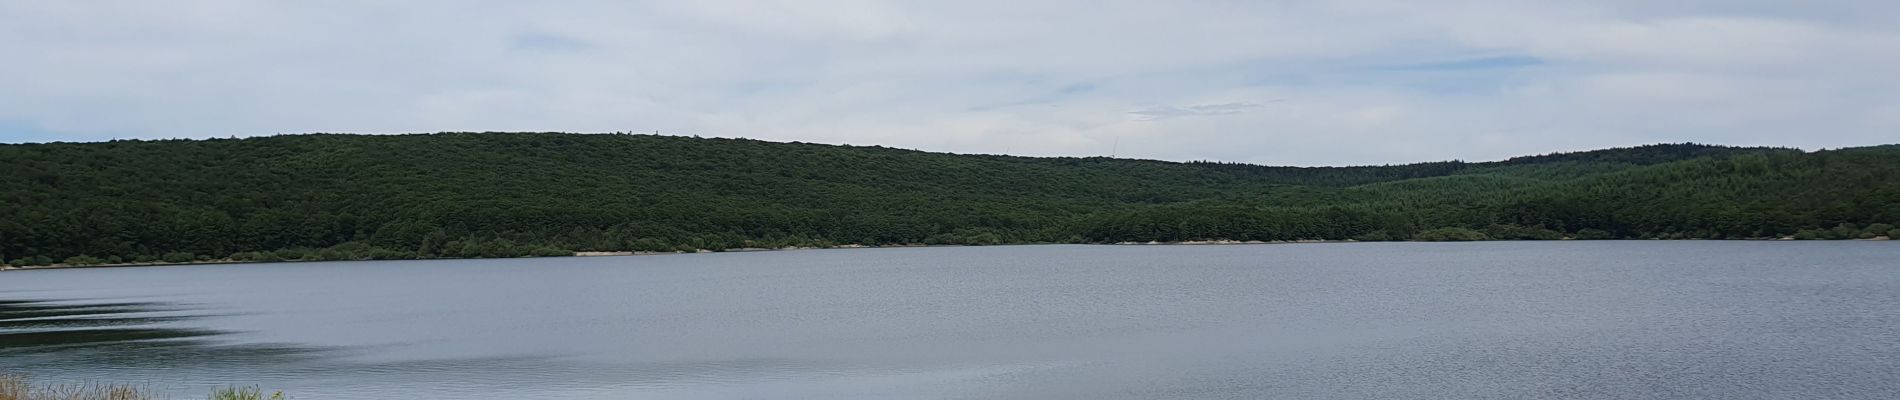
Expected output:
(511, 194)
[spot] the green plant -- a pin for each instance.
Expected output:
(243, 393)
(1451, 235)
(461, 195)
(15, 386)
(1374, 236)
(178, 257)
(1594, 234)
(83, 260)
(18, 387)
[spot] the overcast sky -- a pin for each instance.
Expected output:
(1271, 82)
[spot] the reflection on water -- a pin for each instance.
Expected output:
(64, 338)
(39, 326)
(1559, 320)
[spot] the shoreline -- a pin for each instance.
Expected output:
(1223, 242)
(5, 268)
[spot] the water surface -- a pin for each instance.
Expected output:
(1362, 320)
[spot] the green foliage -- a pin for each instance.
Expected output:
(19, 387)
(1451, 235)
(178, 257)
(1593, 234)
(1378, 236)
(1844, 231)
(547, 251)
(243, 393)
(1513, 232)
(453, 195)
(83, 260)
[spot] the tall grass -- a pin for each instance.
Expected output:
(242, 393)
(18, 387)
(13, 387)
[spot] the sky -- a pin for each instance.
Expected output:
(1347, 82)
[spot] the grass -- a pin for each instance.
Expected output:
(19, 387)
(243, 393)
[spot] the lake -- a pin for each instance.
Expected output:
(1550, 320)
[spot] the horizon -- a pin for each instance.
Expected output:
(689, 136)
(1300, 83)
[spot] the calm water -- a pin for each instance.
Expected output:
(1371, 320)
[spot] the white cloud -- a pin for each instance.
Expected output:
(1197, 110)
(1270, 82)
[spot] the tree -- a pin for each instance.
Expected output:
(304, 197)
(1880, 229)
(83, 260)
(1593, 234)
(1451, 235)
(178, 257)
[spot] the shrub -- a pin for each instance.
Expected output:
(1893, 234)
(256, 256)
(1807, 234)
(1594, 234)
(243, 393)
(1374, 236)
(291, 254)
(379, 253)
(1843, 231)
(178, 257)
(650, 244)
(1451, 235)
(83, 260)
(549, 251)
(1513, 232)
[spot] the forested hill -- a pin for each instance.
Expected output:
(511, 194)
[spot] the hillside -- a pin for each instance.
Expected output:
(510, 194)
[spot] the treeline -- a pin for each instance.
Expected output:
(456, 195)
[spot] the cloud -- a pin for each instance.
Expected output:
(548, 43)
(1470, 64)
(1197, 110)
(1371, 81)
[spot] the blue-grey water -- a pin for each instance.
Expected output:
(1542, 320)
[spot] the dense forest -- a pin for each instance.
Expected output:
(334, 197)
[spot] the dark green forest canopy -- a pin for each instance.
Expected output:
(326, 196)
